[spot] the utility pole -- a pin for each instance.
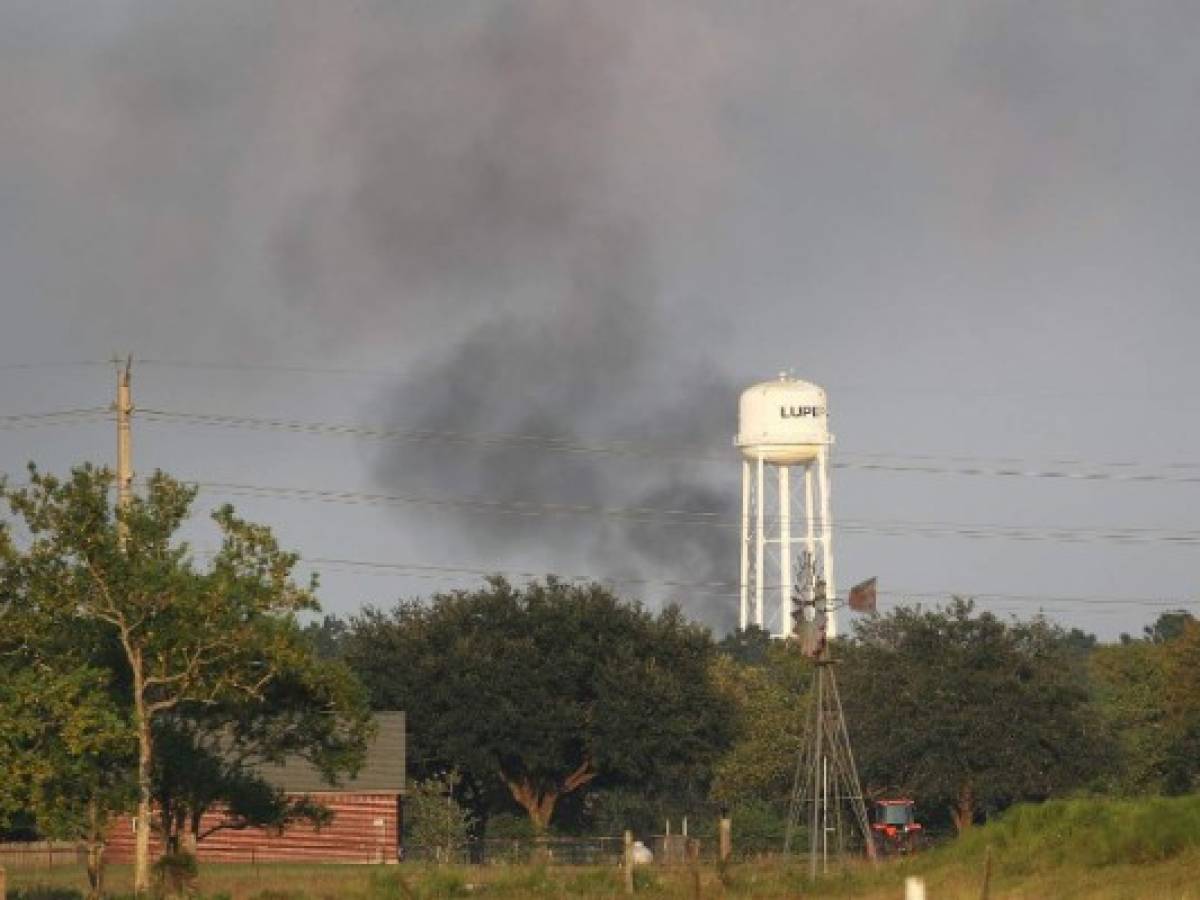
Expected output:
(124, 410)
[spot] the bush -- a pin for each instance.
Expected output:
(509, 827)
(758, 827)
(176, 873)
(437, 824)
(1085, 832)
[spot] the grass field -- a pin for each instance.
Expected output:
(1111, 850)
(1177, 878)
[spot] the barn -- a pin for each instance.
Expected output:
(366, 811)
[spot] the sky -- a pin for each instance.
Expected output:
(529, 253)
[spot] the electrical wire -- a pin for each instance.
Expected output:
(38, 366)
(692, 518)
(281, 369)
(642, 451)
(406, 568)
(59, 417)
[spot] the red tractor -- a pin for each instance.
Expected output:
(894, 825)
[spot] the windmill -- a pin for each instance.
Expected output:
(826, 793)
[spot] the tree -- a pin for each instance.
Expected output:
(183, 635)
(1129, 680)
(211, 755)
(65, 751)
(313, 709)
(545, 689)
(67, 745)
(1169, 626)
(1181, 695)
(749, 645)
(436, 821)
(969, 711)
(769, 702)
(327, 636)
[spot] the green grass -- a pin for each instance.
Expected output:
(1146, 848)
(1108, 849)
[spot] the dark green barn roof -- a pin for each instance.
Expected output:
(382, 771)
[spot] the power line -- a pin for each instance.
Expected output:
(562, 444)
(281, 369)
(559, 444)
(59, 417)
(40, 366)
(695, 518)
(407, 568)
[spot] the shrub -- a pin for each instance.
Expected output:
(176, 873)
(437, 824)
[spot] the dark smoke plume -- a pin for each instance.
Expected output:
(518, 232)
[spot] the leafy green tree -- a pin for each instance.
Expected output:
(749, 645)
(545, 689)
(313, 709)
(65, 754)
(183, 635)
(769, 702)
(437, 823)
(1130, 684)
(1169, 626)
(67, 746)
(327, 636)
(966, 710)
(1181, 695)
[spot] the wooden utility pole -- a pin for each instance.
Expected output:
(124, 409)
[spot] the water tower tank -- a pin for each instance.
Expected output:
(783, 422)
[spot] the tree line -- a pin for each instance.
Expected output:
(136, 679)
(573, 709)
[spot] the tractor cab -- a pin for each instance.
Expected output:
(895, 825)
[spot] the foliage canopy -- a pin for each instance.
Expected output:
(545, 689)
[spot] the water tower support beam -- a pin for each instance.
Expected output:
(810, 540)
(785, 550)
(759, 539)
(744, 608)
(827, 545)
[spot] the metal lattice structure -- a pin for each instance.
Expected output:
(826, 792)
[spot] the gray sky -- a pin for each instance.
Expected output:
(973, 222)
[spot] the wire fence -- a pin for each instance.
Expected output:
(562, 851)
(41, 854)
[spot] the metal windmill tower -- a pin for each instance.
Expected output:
(826, 793)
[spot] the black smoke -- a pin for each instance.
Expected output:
(490, 193)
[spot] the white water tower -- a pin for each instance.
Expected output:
(783, 428)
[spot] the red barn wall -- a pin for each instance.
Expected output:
(365, 829)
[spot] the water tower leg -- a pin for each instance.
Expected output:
(744, 608)
(758, 550)
(827, 545)
(810, 539)
(785, 551)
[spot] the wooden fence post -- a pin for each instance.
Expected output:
(629, 862)
(3, 884)
(725, 845)
(987, 874)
